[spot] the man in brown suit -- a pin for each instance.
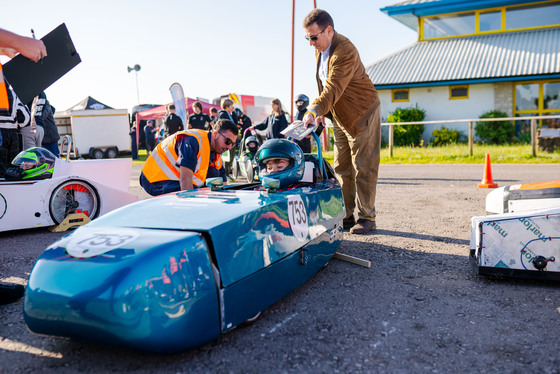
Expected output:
(347, 97)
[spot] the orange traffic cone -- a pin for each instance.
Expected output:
(487, 181)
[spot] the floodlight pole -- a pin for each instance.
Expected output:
(137, 91)
(136, 68)
(292, 88)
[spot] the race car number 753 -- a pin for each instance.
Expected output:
(297, 214)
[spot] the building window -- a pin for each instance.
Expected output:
(449, 25)
(458, 92)
(551, 96)
(494, 20)
(490, 21)
(526, 97)
(533, 16)
(538, 99)
(400, 95)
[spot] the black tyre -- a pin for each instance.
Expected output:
(234, 170)
(252, 319)
(111, 152)
(96, 153)
(73, 196)
(250, 174)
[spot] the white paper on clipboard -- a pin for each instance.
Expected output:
(298, 130)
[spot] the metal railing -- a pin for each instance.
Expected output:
(470, 122)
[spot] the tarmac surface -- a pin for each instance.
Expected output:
(420, 308)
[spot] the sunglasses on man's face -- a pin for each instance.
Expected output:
(315, 37)
(227, 140)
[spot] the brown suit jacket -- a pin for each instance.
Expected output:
(348, 93)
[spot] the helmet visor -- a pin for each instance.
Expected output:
(275, 165)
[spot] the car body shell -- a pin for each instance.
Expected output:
(174, 272)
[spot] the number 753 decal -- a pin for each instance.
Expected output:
(297, 214)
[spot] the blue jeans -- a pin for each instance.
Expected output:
(53, 147)
(159, 188)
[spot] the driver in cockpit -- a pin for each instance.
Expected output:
(282, 160)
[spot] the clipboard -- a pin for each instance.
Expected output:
(298, 130)
(28, 79)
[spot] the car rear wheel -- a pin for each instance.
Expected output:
(73, 196)
(250, 174)
(234, 169)
(252, 319)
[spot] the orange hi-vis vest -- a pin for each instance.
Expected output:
(160, 166)
(4, 102)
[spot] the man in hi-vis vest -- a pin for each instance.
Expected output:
(184, 160)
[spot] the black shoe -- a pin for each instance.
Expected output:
(348, 223)
(363, 226)
(10, 293)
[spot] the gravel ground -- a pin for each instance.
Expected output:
(419, 308)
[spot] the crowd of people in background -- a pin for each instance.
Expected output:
(270, 128)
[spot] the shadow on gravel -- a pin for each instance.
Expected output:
(412, 235)
(389, 180)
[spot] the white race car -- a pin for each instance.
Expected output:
(93, 187)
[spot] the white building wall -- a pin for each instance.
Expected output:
(435, 101)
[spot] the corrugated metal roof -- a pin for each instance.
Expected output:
(516, 54)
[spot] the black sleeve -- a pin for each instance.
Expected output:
(41, 111)
(263, 125)
(279, 125)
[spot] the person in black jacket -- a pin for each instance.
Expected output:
(228, 111)
(44, 117)
(134, 146)
(150, 134)
(275, 122)
(213, 114)
(244, 122)
(302, 101)
(199, 120)
(172, 122)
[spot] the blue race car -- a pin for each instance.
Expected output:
(174, 272)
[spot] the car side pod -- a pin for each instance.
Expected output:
(151, 290)
(522, 244)
(524, 197)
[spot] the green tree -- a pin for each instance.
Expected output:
(407, 135)
(494, 132)
(445, 136)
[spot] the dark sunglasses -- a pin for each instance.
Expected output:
(315, 37)
(227, 140)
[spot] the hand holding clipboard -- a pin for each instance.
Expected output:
(28, 79)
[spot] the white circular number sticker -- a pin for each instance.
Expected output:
(297, 215)
(96, 242)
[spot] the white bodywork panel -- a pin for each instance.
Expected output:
(26, 204)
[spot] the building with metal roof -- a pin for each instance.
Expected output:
(472, 57)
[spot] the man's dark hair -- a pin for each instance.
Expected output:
(224, 125)
(320, 17)
(213, 110)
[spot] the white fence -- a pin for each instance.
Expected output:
(470, 122)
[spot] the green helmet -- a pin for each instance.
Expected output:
(281, 149)
(35, 163)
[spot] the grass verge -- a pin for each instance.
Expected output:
(449, 154)
(459, 154)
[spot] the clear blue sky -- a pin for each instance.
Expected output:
(210, 47)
